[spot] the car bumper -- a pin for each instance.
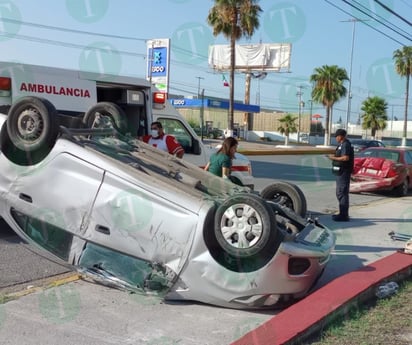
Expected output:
(291, 273)
(369, 185)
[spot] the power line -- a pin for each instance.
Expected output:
(57, 28)
(374, 18)
(349, 14)
(382, 20)
(391, 11)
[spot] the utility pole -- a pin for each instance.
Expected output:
(202, 112)
(299, 94)
(348, 108)
(198, 86)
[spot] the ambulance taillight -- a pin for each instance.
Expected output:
(159, 97)
(5, 84)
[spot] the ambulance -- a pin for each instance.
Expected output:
(130, 103)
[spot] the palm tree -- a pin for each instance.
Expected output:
(374, 114)
(327, 89)
(288, 125)
(403, 66)
(234, 19)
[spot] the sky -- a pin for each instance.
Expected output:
(67, 34)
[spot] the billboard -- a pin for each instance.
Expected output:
(158, 63)
(252, 57)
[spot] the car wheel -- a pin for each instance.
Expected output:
(106, 115)
(402, 189)
(286, 194)
(245, 232)
(30, 131)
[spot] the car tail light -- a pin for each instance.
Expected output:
(395, 170)
(159, 97)
(297, 266)
(5, 84)
(240, 168)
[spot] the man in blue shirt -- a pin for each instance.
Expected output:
(342, 166)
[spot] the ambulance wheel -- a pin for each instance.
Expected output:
(30, 131)
(106, 115)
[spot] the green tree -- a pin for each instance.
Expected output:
(403, 66)
(327, 89)
(374, 114)
(234, 19)
(287, 126)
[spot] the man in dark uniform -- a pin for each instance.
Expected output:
(342, 166)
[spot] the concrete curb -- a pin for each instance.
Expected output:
(283, 151)
(309, 316)
(50, 284)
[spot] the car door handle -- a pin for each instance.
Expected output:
(25, 197)
(103, 229)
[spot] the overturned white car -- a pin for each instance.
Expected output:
(135, 217)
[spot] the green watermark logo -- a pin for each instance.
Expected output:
(180, 1)
(10, 20)
(132, 210)
(163, 340)
(381, 77)
(191, 43)
(61, 304)
(284, 22)
(2, 313)
(370, 6)
(102, 58)
(246, 325)
(87, 11)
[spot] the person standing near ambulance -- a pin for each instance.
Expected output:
(162, 141)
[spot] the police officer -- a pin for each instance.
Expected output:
(342, 166)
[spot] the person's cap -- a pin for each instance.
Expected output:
(341, 132)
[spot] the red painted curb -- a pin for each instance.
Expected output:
(312, 313)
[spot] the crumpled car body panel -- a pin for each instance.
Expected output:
(373, 174)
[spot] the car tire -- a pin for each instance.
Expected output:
(30, 131)
(254, 238)
(286, 194)
(107, 109)
(402, 189)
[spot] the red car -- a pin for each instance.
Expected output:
(382, 168)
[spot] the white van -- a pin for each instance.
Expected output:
(129, 102)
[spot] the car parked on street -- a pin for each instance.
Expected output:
(382, 169)
(132, 216)
(362, 144)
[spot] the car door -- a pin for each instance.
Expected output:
(140, 220)
(50, 202)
